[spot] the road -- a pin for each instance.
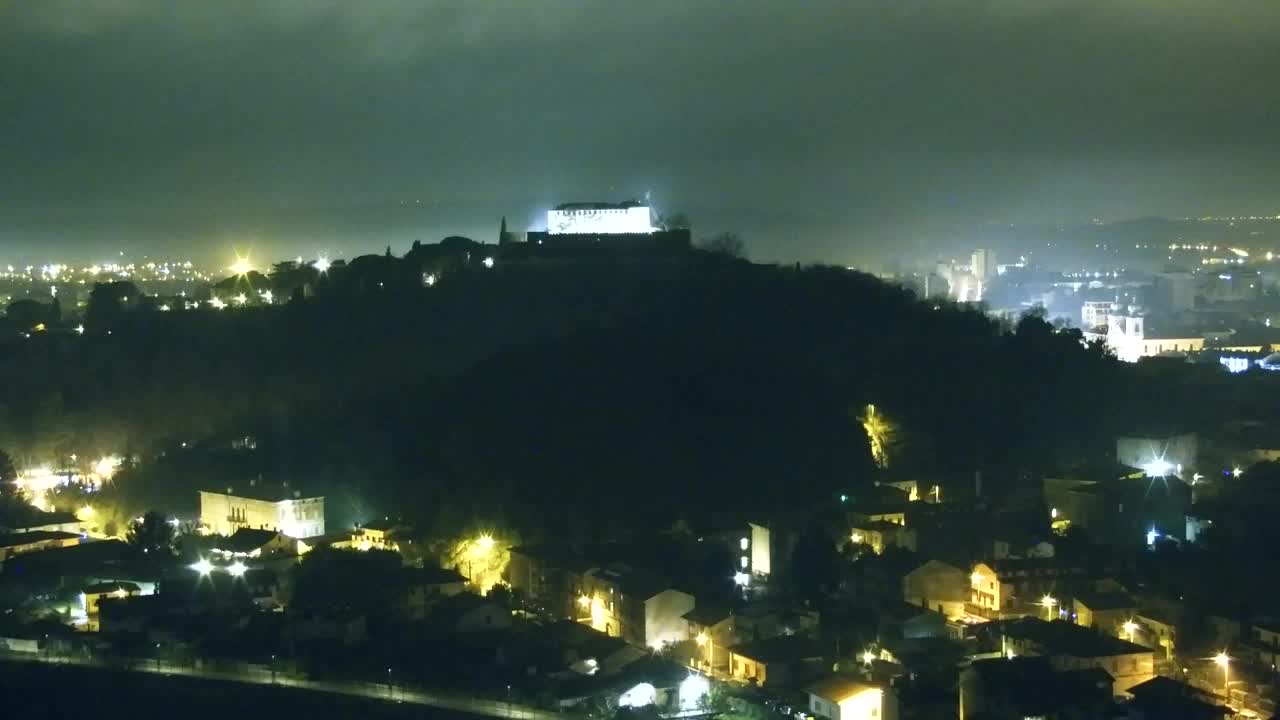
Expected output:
(260, 675)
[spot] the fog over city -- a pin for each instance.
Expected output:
(848, 132)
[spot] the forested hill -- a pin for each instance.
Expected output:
(531, 393)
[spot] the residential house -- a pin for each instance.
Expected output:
(36, 520)
(1157, 630)
(640, 607)
(1104, 611)
(912, 622)
(18, 543)
(1264, 641)
(467, 613)
(1022, 688)
(939, 586)
(1015, 587)
(839, 697)
(1120, 506)
(712, 629)
(92, 594)
(776, 662)
(382, 534)
(1161, 698)
(881, 534)
(425, 586)
(765, 619)
(252, 543)
(1068, 646)
(570, 648)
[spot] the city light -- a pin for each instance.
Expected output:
(241, 266)
(879, 435)
(868, 657)
(488, 262)
(85, 514)
(584, 601)
(1236, 472)
(241, 299)
(105, 468)
(237, 569)
(701, 639)
(217, 303)
(429, 279)
(693, 691)
(1130, 627)
(741, 579)
(202, 566)
(267, 296)
(322, 264)
(1224, 661)
(484, 543)
(976, 578)
(1157, 468)
(1048, 602)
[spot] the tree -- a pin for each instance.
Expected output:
(728, 244)
(8, 474)
(152, 535)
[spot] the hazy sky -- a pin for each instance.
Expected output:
(821, 129)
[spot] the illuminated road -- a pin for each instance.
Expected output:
(260, 675)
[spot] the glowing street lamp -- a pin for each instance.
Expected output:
(1048, 601)
(1224, 661)
(1236, 472)
(237, 569)
(241, 299)
(322, 264)
(868, 657)
(202, 566)
(584, 601)
(484, 543)
(1130, 627)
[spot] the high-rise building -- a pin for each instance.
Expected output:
(983, 264)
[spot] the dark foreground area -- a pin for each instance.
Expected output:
(62, 691)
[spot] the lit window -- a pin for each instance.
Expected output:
(744, 561)
(744, 543)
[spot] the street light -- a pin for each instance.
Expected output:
(202, 566)
(1048, 601)
(704, 641)
(237, 569)
(1224, 661)
(868, 657)
(1130, 627)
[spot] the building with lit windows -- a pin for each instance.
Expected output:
(1131, 338)
(844, 698)
(599, 219)
(261, 507)
(1019, 586)
(637, 606)
(1068, 646)
(939, 586)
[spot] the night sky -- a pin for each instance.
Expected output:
(849, 130)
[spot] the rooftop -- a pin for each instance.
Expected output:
(599, 205)
(706, 615)
(265, 491)
(246, 540)
(1060, 637)
(1105, 601)
(838, 688)
(34, 536)
(1032, 685)
(110, 587)
(782, 648)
